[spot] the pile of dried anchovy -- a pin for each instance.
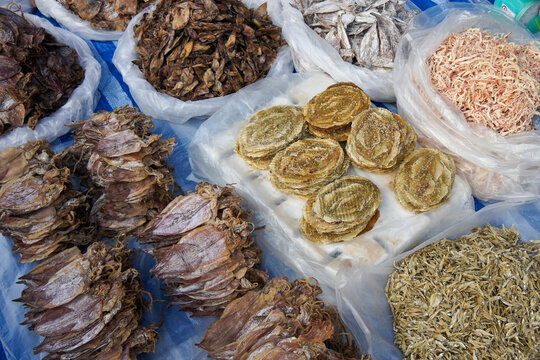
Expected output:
(475, 297)
(87, 306)
(106, 14)
(284, 320)
(125, 167)
(204, 251)
(201, 49)
(39, 207)
(365, 32)
(37, 73)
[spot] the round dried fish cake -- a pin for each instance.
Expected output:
(339, 133)
(380, 140)
(424, 180)
(306, 165)
(269, 131)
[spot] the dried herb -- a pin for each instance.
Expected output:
(475, 297)
(204, 250)
(37, 73)
(284, 320)
(87, 306)
(201, 49)
(106, 14)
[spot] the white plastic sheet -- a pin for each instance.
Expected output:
(313, 53)
(163, 106)
(81, 103)
(361, 292)
(26, 5)
(497, 167)
(212, 157)
(75, 24)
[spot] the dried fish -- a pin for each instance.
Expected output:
(106, 14)
(365, 33)
(284, 320)
(37, 73)
(475, 297)
(201, 49)
(204, 251)
(87, 306)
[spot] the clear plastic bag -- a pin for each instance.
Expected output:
(361, 292)
(163, 106)
(497, 167)
(212, 157)
(26, 5)
(313, 53)
(81, 103)
(55, 10)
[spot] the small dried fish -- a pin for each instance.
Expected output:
(365, 32)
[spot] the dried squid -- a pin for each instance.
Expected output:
(37, 73)
(204, 251)
(87, 306)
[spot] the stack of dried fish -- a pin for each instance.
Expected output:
(284, 320)
(330, 113)
(202, 49)
(475, 297)
(126, 164)
(267, 132)
(380, 140)
(424, 180)
(87, 306)
(307, 165)
(341, 210)
(37, 74)
(106, 14)
(364, 32)
(204, 251)
(39, 207)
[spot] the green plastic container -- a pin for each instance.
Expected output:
(527, 12)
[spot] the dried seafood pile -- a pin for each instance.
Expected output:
(475, 297)
(365, 32)
(341, 210)
(106, 14)
(87, 306)
(284, 320)
(124, 165)
(204, 251)
(201, 49)
(37, 73)
(40, 210)
(424, 180)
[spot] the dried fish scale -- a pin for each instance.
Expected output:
(365, 33)
(284, 320)
(87, 306)
(476, 296)
(204, 282)
(37, 73)
(424, 180)
(202, 49)
(380, 140)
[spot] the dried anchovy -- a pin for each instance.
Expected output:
(475, 297)
(284, 320)
(87, 306)
(124, 165)
(204, 251)
(106, 14)
(37, 73)
(365, 32)
(201, 49)
(39, 207)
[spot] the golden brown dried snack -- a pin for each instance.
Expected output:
(380, 140)
(424, 180)
(306, 165)
(330, 113)
(269, 131)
